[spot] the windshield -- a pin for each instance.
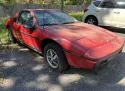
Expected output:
(53, 17)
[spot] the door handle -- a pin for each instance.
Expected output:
(117, 12)
(97, 10)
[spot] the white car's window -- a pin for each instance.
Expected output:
(121, 5)
(96, 3)
(108, 4)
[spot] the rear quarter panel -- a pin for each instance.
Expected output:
(92, 11)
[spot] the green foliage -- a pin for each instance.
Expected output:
(66, 2)
(77, 15)
(3, 34)
(30, 1)
(76, 2)
(7, 1)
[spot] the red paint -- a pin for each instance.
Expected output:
(83, 39)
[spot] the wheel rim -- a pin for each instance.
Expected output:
(52, 58)
(90, 21)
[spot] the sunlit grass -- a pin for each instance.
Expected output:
(3, 31)
(77, 15)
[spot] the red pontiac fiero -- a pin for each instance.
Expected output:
(63, 40)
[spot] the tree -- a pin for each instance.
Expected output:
(66, 2)
(7, 1)
(62, 4)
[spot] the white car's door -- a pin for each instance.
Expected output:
(105, 16)
(119, 15)
(106, 13)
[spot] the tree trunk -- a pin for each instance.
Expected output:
(62, 5)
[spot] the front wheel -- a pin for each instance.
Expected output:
(55, 57)
(91, 20)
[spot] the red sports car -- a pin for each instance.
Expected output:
(63, 40)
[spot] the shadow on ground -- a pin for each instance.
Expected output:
(114, 29)
(25, 71)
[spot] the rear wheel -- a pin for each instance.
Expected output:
(91, 20)
(11, 38)
(55, 57)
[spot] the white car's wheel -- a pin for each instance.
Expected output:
(91, 20)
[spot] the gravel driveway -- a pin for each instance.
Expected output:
(26, 71)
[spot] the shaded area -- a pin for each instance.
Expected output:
(26, 71)
(115, 29)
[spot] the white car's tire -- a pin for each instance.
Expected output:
(91, 20)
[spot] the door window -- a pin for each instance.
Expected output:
(29, 20)
(108, 4)
(23, 17)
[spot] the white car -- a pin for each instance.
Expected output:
(105, 13)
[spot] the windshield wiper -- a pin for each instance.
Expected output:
(68, 22)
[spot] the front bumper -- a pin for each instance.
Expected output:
(98, 60)
(100, 64)
(83, 62)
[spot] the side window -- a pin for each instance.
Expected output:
(121, 5)
(107, 4)
(29, 19)
(96, 3)
(23, 17)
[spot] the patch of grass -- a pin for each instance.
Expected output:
(77, 15)
(3, 35)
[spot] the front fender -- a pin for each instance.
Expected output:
(70, 46)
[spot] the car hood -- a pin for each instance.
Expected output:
(82, 32)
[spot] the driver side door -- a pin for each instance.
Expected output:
(30, 33)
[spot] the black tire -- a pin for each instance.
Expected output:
(11, 37)
(91, 18)
(62, 61)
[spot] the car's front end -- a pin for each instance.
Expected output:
(108, 52)
(98, 57)
(93, 48)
